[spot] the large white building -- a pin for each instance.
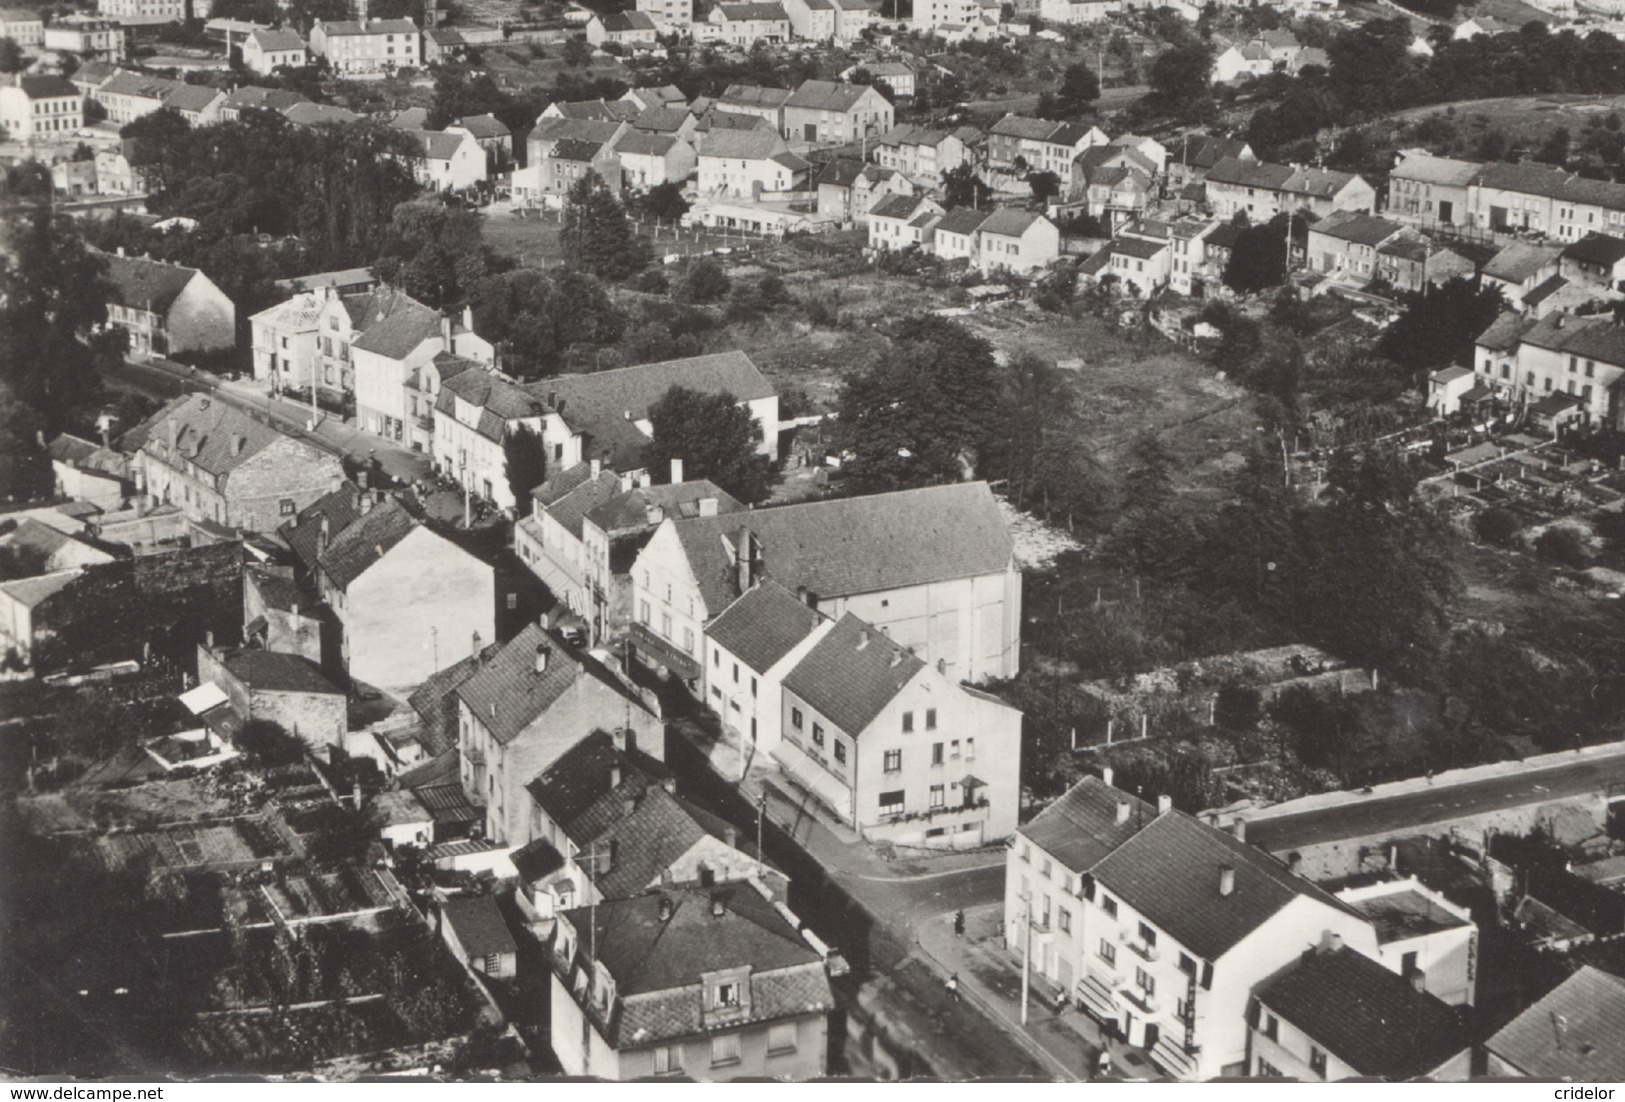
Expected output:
(40, 106)
(367, 46)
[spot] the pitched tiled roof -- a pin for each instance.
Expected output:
(852, 673)
(318, 114)
(139, 85)
(572, 508)
(662, 120)
(1528, 177)
(445, 36)
(1168, 871)
(146, 284)
(435, 701)
(590, 398)
(643, 508)
(1071, 133)
(964, 220)
(1360, 229)
(1590, 1005)
(1017, 126)
(854, 545)
(718, 119)
(440, 145)
(826, 95)
(649, 957)
(1319, 182)
(1084, 826)
(497, 400)
(484, 126)
(1138, 247)
(46, 86)
(581, 130)
(622, 21)
(745, 145)
(556, 485)
(29, 592)
(70, 449)
(270, 99)
(901, 207)
(276, 590)
(508, 694)
(192, 97)
(395, 335)
(839, 173)
(269, 671)
(1009, 222)
(1240, 173)
(645, 841)
(479, 925)
(1597, 248)
(372, 26)
(596, 110)
(31, 535)
(753, 95)
(208, 432)
(1205, 151)
(1504, 332)
(1596, 338)
(763, 626)
(576, 790)
(353, 551)
(1427, 169)
(303, 533)
(1520, 260)
(1371, 1019)
(639, 143)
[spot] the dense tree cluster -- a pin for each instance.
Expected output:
(715, 438)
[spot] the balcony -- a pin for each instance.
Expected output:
(1144, 950)
(1141, 998)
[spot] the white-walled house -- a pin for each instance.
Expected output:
(749, 649)
(265, 51)
(747, 163)
(902, 222)
(898, 750)
(40, 107)
(1419, 931)
(367, 47)
(933, 568)
(1161, 925)
(649, 160)
(1017, 240)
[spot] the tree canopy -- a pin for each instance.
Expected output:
(525, 457)
(1438, 328)
(595, 233)
(714, 436)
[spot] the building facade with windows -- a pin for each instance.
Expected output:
(167, 308)
(368, 46)
(42, 106)
(898, 751)
(749, 649)
(1573, 361)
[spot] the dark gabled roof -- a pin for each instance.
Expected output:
(662, 120)
(645, 841)
(1017, 126)
(852, 545)
(1596, 338)
(581, 130)
(754, 12)
(592, 110)
(638, 142)
(146, 284)
(277, 590)
(435, 701)
(395, 335)
(1360, 229)
(1319, 182)
(140, 85)
(497, 400)
(964, 220)
(1240, 173)
(1424, 167)
(36, 536)
(753, 95)
(900, 207)
(637, 510)
(841, 172)
(29, 592)
(1504, 332)
(484, 126)
(1070, 133)
(718, 119)
(370, 27)
(479, 925)
(303, 533)
(576, 791)
(1591, 1008)
(318, 114)
(536, 859)
(562, 482)
(827, 95)
(745, 145)
(1168, 871)
(588, 398)
(572, 508)
(508, 695)
(1082, 827)
(70, 449)
(646, 956)
(353, 551)
(623, 21)
(576, 149)
(852, 673)
(1597, 248)
(271, 99)
(763, 626)
(1009, 222)
(1528, 177)
(46, 86)
(1371, 1019)
(1223, 236)
(1138, 247)
(269, 671)
(192, 97)
(208, 432)
(445, 36)
(1205, 151)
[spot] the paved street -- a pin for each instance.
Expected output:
(1420, 804)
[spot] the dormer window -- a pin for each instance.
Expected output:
(724, 996)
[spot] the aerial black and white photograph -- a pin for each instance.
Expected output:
(863, 541)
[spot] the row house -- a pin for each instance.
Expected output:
(402, 362)
(167, 308)
(129, 96)
(216, 463)
(399, 592)
(88, 37)
(1039, 145)
(750, 648)
(475, 412)
(923, 154)
(828, 113)
(1345, 244)
(581, 543)
(1597, 259)
(266, 50)
(591, 110)
(606, 823)
(675, 121)
(527, 705)
(649, 160)
(40, 106)
(1431, 190)
(1262, 190)
(625, 28)
(1077, 13)
(672, 16)
(956, 18)
(344, 318)
(493, 137)
(838, 21)
(1338, 1014)
(710, 981)
(1160, 926)
(748, 164)
(903, 222)
(1411, 263)
(367, 47)
(23, 26)
(933, 568)
(753, 99)
(1575, 361)
(744, 25)
(955, 235)
(1196, 154)
(591, 145)
(899, 751)
(146, 11)
(848, 189)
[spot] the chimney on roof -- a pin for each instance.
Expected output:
(1227, 880)
(1419, 981)
(208, 640)
(541, 658)
(597, 468)
(364, 503)
(1122, 811)
(238, 442)
(445, 331)
(615, 776)
(1165, 804)
(1106, 776)
(896, 658)
(1240, 829)
(626, 414)
(863, 639)
(476, 650)
(718, 908)
(626, 483)
(1294, 863)
(121, 250)
(666, 908)
(361, 478)
(323, 536)
(676, 472)
(730, 834)
(666, 880)
(1332, 943)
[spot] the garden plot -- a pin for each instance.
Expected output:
(234, 843)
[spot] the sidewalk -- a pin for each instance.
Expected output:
(1068, 1040)
(398, 461)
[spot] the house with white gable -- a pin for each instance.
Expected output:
(748, 651)
(400, 363)
(451, 160)
(903, 222)
(1018, 241)
(265, 51)
(839, 21)
(628, 29)
(747, 163)
(649, 160)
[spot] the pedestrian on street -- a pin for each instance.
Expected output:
(959, 924)
(953, 986)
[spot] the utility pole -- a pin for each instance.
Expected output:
(1026, 952)
(761, 813)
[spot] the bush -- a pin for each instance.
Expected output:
(651, 281)
(1497, 525)
(267, 744)
(705, 282)
(1564, 547)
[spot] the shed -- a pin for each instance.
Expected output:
(475, 930)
